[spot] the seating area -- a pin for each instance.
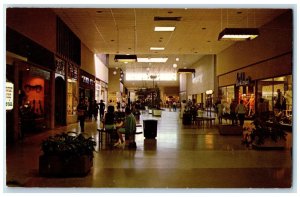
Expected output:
(106, 136)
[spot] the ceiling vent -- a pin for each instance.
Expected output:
(162, 18)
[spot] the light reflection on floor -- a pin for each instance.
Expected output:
(179, 157)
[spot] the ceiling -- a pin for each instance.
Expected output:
(131, 31)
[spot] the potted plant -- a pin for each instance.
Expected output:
(266, 135)
(66, 154)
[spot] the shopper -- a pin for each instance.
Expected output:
(174, 105)
(129, 127)
(101, 109)
(109, 123)
(220, 107)
(241, 110)
(81, 111)
(95, 110)
(232, 112)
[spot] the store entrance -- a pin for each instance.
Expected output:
(60, 101)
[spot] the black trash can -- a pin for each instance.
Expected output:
(186, 119)
(150, 129)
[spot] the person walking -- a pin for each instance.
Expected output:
(101, 109)
(232, 112)
(220, 107)
(81, 111)
(95, 110)
(241, 110)
(174, 105)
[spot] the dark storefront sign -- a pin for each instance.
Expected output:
(87, 81)
(242, 80)
(23, 46)
(72, 71)
(60, 66)
(68, 44)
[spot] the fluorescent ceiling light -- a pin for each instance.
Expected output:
(157, 48)
(158, 59)
(164, 28)
(238, 34)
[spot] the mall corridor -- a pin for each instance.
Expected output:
(180, 157)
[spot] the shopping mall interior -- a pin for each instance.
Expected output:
(210, 89)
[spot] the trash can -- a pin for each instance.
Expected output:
(187, 119)
(150, 129)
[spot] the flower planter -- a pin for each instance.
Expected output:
(157, 112)
(270, 144)
(230, 130)
(51, 165)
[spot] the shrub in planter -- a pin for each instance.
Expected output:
(66, 154)
(263, 133)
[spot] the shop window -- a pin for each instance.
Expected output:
(247, 94)
(72, 99)
(226, 93)
(34, 98)
(277, 93)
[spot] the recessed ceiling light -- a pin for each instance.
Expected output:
(174, 65)
(157, 59)
(177, 59)
(203, 28)
(157, 48)
(164, 28)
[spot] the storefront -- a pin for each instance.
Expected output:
(86, 86)
(100, 91)
(253, 86)
(34, 98)
(277, 93)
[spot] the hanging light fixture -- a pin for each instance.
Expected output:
(238, 34)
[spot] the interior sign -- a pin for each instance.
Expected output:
(9, 96)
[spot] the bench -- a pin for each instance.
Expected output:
(108, 133)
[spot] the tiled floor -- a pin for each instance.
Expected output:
(180, 157)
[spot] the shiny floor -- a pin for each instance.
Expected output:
(180, 157)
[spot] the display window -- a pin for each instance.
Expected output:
(247, 94)
(277, 93)
(72, 91)
(72, 99)
(34, 99)
(227, 93)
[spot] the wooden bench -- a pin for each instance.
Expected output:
(108, 133)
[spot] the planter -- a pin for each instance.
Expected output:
(270, 144)
(51, 165)
(230, 130)
(157, 112)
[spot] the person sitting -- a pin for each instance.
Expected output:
(109, 123)
(129, 127)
